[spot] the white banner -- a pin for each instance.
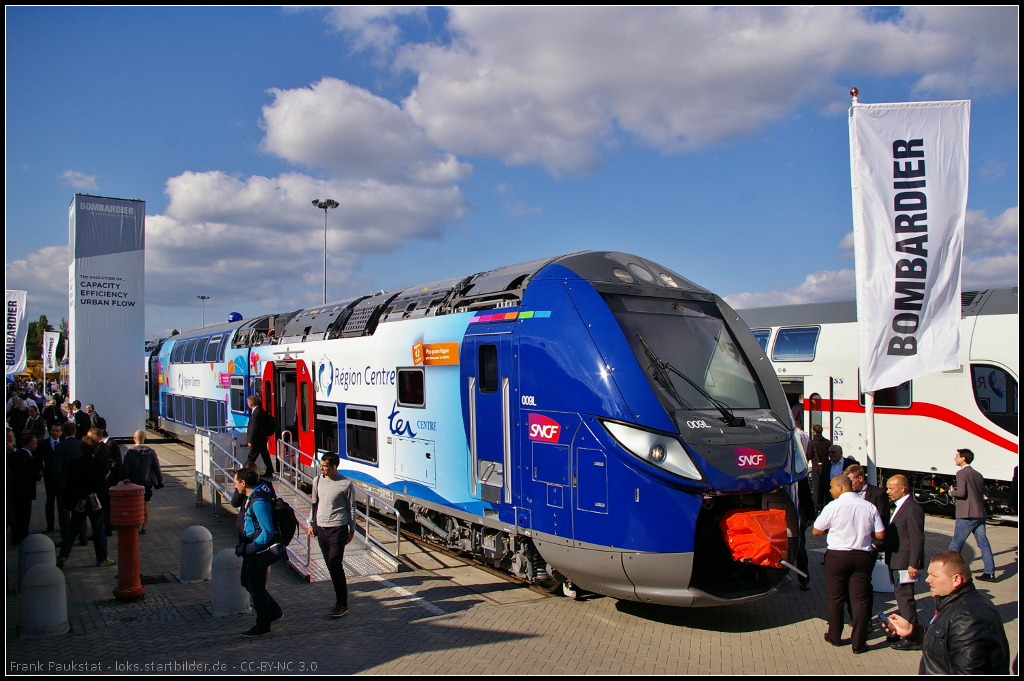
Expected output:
(15, 348)
(50, 341)
(908, 165)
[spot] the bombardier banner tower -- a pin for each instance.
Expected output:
(107, 242)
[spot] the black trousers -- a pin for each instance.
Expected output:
(259, 449)
(332, 542)
(904, 594)
(21, 515)
(64, 520)
(51, 501)
(255, 573)
(848, 576)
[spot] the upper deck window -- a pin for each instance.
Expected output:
(762, 336)
(795, 344)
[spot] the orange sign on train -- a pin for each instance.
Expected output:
(435, 353)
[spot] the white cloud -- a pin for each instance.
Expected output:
(551, 86)
(817, 287)
(354, 133)
(261, 238)
(79, 180)
(370, 27)
(44, 274)
(990, 261)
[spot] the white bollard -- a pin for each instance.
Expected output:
(44, 603)
(229, 598)
(35, 549)
(196, 554)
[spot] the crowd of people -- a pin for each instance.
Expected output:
(66, 447)
(861, 522)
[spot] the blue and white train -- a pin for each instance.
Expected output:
(583, 420)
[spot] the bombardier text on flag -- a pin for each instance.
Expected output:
(908, 163)
(50, 341)
(15, 343)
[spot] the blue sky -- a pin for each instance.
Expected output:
(711, 140)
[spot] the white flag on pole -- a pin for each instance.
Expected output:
(15, 345)
(50, 341)
(908, 164)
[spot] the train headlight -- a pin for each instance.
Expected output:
(656, 448)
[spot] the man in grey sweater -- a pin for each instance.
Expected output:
(333, 524)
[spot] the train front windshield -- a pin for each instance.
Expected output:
(692, 338)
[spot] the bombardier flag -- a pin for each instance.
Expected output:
(908, 164)
(50, 342)
(16, 329)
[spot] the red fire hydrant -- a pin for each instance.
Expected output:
(127, 510)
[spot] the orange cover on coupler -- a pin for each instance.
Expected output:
(757, 537)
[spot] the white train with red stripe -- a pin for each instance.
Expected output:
(920, 424)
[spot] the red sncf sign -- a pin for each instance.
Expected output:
(542, 428)
(749, 458)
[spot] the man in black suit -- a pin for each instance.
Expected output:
(835, 465)
(44, 455)
(904, 551)
(869, 493)
(81, 419)
(259, 429)
(22, 475)
(817, 457)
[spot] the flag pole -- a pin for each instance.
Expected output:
(869, 396)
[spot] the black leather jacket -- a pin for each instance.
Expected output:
(966, 636)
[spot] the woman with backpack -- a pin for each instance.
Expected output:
(142, 467)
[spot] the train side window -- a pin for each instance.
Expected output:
(305, 414)
(238, 394)
(200, 407)
(179, 408)
(187, 414)
(762, 337)
(361, 434)
(411, 391)
(995, 391)
(178, 351)
(326, 428)
(487, 357)
(222, 413)
(213, 349)
(898, 397)
(169, 407)
(223, 348)
(211, 413)
(815, 409)
(795, 344)
(200, 351)
(186, 357)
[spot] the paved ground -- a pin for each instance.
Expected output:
(441, 617)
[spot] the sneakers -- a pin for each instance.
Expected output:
(60, 563)
(256, 631)
(338, 611)
(105, 563)
(986, 577)
(142, 530)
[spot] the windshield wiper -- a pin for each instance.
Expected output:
(661, 370)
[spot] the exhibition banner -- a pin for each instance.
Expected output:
(107, 310)
(908, 165)
(16, 330)
(50, 342)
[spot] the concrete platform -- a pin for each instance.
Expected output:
(438, 616)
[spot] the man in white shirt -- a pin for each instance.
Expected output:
(851, 523)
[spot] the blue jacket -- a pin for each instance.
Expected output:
(260, 506)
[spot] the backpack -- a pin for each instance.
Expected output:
(285, 522)
(101, 422)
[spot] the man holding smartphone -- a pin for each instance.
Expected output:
(966, 635)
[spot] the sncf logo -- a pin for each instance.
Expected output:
(749, 458)
(542, 428)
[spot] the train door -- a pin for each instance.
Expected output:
(488, 359)
(305, 414)
(590, 489)
(153, 385)
(795, 396)
(267, 401)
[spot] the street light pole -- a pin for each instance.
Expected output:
(204, 299)
(325, 204)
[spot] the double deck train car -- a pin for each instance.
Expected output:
(920, 424)
(585, 420)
